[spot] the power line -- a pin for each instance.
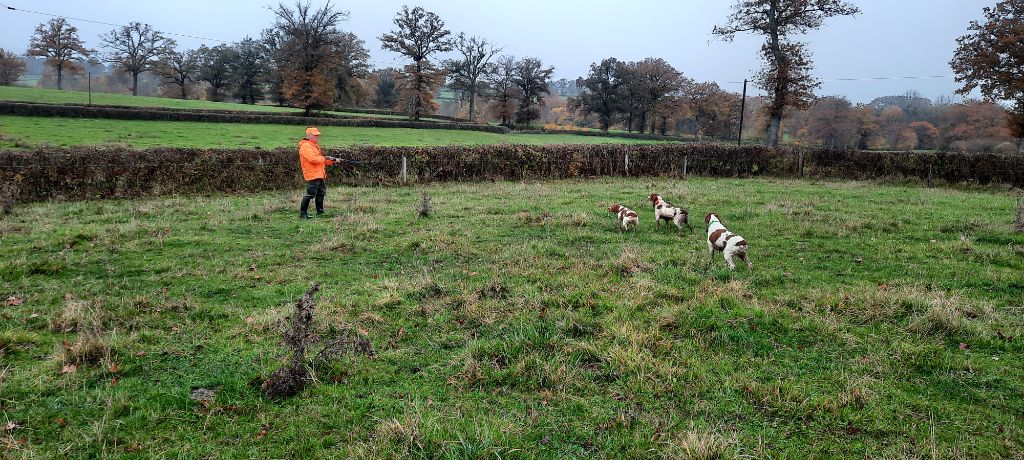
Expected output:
(826, 80)
(106, 23)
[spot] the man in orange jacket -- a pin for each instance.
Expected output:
(313, 164)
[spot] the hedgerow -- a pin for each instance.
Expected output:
(84, 173)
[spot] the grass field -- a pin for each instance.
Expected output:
(517, 322)
(53, 96)
(27, 132)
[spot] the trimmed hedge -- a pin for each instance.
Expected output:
(171, 114)
(400, 114)
(84, 173)
(640, 136)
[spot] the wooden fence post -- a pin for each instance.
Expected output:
(405, 170)
(929, 175)
(685, 158)
(627, 163)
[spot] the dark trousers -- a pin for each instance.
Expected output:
(317, 189)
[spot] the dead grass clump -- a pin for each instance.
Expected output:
(75, 315)
(579, 219)
(630, 261)
(536, 219)
(407, 433)
(699, 444)
(947, 319)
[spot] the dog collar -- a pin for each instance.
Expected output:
(713, 222)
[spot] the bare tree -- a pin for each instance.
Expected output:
(136, 48)
(419, 34)
(532, 80)
(468, 73)
(786, 74)
(58, 43)
(178, 69)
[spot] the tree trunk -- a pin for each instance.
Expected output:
(773, 129)
(472, 101)
(183, 95)
(60, 71)
(419, 90)
(135, 83)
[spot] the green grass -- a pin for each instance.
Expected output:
(27, 132)
(53, 96)
(517, 322)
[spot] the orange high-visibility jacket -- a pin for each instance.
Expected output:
(312, 160)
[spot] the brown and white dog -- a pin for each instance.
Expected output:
(627, 217)
(720, 239)
(663, 210)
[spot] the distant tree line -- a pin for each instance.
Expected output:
(306, 60)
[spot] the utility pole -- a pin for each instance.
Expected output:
(743, 109)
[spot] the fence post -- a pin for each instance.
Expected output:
(627, 163)
(685, 158)
(405, 170)
(929, 175)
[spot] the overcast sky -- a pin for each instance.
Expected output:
(888, 39)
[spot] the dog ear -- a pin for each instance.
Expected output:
(613, 208)
(707, 218)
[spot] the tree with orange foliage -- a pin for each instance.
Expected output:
(832, 122)
(991, 58)
(305, 56)
(927, 134)
(974, 126)
(58, 42)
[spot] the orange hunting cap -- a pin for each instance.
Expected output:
(312, 132)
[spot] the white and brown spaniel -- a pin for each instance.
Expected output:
(720, 239)
(663, 210)
(627, 217)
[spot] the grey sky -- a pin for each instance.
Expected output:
(890, 38)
